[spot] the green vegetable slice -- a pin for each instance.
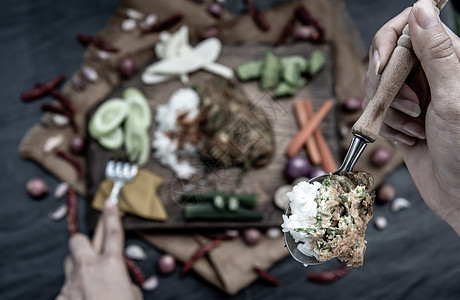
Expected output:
(112, 140)
(270, 71)
(108, 117)
(286, 90)
(207, 211)
(139, 108)
(292, 68)
(249, 70)
(137, 144)
(316, 61)
(246, 200)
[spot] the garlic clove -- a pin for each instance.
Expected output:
(380, 222)
(273, 233)
(135, 252)
(61, 190)
(52, 143)
(59, 213)
(128, 25)
(133, 14)
(399, 204)
(150, 283)
(232, 232)
(148, 21)
(89, 73)
(102, 55)
(60, 120)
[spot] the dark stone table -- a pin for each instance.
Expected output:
(416, 257)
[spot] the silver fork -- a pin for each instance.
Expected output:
(119, 173)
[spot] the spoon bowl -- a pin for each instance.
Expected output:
(355, 150)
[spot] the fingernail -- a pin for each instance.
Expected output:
(404, 139)
(109, 203)
(414, 129)
(376, 61)
(425, 14)
(406, 106)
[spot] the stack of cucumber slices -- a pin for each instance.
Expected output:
(124, 121)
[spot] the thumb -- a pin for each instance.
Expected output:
(433, 46)
(113, 230)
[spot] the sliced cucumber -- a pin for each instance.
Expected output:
(139, 108)
(108, 117)
(112, 140)
(137, 143)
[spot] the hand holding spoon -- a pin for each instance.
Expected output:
(367, 128)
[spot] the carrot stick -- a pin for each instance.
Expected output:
(304, 134)
(328, 161)
(302, 119)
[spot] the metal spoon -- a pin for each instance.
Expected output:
(354, 152)
(367, 128)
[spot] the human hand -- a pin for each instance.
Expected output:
(424, 118)
(90, 275)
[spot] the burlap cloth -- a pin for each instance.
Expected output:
(221, 267)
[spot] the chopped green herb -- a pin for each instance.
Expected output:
(305, 230)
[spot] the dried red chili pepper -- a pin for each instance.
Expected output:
(41, 90)
(328, 276)
(135, 271)
(59, 110)
(72, 211)
(164, 25)
(288, 30)
(87, 40)
(64, 100)
(266, 276)
(72, 160)
(306, 18)
(257, 16)
(202, 251)
(219, 236)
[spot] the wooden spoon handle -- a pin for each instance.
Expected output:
(393, 76)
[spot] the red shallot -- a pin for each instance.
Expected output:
(251, 236)
(166, 264)
(37, 187)
(126, 67)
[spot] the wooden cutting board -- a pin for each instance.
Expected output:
(263, 181)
